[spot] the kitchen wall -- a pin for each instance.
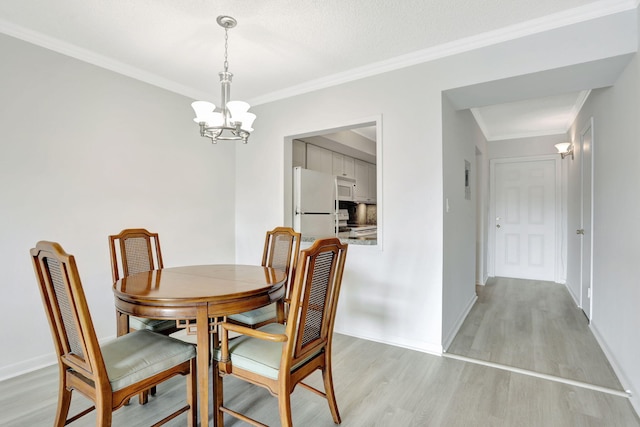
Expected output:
(85, 153)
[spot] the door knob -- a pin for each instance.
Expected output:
(498, 226)
(580, 231)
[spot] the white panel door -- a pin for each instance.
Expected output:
(525, 222)
(585, 231)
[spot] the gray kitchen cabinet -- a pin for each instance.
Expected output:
(366, 187)
(373, 183)
(343, 165)
(319, 159)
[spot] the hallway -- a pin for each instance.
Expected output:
(533, 326)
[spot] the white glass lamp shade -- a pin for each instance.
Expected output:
(247, 122)
(563, 147)
(203, 110)
(237, 109)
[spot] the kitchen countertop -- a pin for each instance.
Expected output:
(363, 241)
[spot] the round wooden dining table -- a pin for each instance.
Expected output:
(200, 293)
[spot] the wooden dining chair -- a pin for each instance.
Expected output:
(109, 375)
(279, 356)
(137, 251)
(281, 249)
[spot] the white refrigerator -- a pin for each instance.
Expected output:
(314, 203)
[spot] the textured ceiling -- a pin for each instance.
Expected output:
(279, 47)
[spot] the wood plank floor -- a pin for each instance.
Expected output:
(378, 385)
(533, 325)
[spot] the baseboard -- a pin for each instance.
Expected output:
(33, 364)
(422, 347)
(624, 379)
(26, 366)
(448, 339)
(483, 281)
(575, 298)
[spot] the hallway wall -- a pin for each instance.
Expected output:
(615, 314)
(460, 136)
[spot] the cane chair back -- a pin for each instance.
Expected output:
(109, 375)
(281, 250)
(136, 250)
(277, 356)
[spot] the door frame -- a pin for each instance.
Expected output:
(491, 221)
(588, 126)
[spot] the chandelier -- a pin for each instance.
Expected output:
(231, 121)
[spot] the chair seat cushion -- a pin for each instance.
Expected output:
(259, 356)
(256, 316)
(155, 325)
(142, 354)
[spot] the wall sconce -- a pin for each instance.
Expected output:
(565, 148)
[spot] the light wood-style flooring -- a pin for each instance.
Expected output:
(533, 325)
(382, 385)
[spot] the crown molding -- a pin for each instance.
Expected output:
(533, 134)
(568, 17)
(480, 121)
(93, 58)
(575, 110)
(582, 98)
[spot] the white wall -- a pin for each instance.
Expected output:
(387, 293)
(615, 314)
(524, 147)
(85, 153)
(482, 212)
(460, 135)
(395, 294)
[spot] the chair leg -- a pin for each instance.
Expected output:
(103, 414)
(327, 376)
(143, 397)
(64, 401)
(192, 395)
(218, 395)
(284, 406)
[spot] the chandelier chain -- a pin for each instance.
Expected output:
(226, 46)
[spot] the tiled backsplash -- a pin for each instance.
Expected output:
(367, 214)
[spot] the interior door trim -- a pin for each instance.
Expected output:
(586, 128)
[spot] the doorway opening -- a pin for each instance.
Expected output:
(351, 154)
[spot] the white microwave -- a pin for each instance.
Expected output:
(345, 188)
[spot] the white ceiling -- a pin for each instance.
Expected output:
(550, 115)
(285, 47)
